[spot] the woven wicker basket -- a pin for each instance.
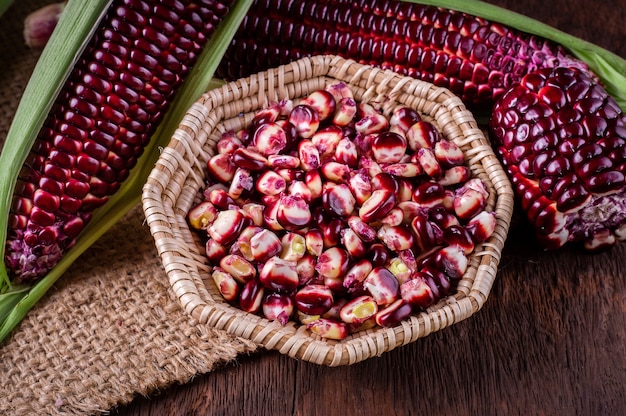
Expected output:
(176, 181)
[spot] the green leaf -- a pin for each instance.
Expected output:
(4, 5)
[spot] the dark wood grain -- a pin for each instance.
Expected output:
(550, 340)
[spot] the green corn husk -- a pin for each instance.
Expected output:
(78, 21)
(609, 67)
(4, 5)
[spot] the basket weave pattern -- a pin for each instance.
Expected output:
(176, 181)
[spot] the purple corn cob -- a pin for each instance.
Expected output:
(475, 59)
(114, 98)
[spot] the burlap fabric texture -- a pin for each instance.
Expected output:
(110, 329)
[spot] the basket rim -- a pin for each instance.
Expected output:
(215, 106)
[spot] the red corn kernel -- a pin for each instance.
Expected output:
(313, 180)
(429, 194)
(335, 172)
(249, 158)
(214, 251)
(279, 275)
(226, 284)
(396, 238)
(221, 168)
(347, 153)
(417, 293)
(289, 175)
(357, 273)
(293, 212)
(404, 118)
(269, 139)
(333, 262)
(377, 205)
(482, 226)
(378, 254)
(293, 247)
(227, 226)
(358, 310)
(228, 144)
(453, 261)
(328, 328)
(422, 135)
(427, 235)
(388, 147)
(282, 161)
(382, 285)
(369, 166)
(404, 170)
(314, 241)
(338, 200)
(429, 163)
(394, 217)
(385, 181)
(277, 307)
(306, 268)
(371, 122)
(242, 181)
(242, 244)
(238, 267)
(309, 155)
(314, 299)
(202, 215)
(254, 212)
(352, 243)
(442, 217)
(468, 202)
(270, 183)
(331, 232)
(439, 279)
(339, 90)
(251, 296)
(305, 119)
(264, 245)
(345, 111)
(459, 236)
(360, 186)
(448, 154)
(400, 269)
(393, 314)
(327, 139)
(300, 189)
(365, 232)
(322, 101)
(220, 198)
(270, 215)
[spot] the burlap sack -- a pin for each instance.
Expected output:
(110, 328)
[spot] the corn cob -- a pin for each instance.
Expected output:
(474, 58)
(562, 139)
(114, 98)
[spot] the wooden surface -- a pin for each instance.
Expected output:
(550, 340)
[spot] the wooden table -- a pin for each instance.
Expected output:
(550, 340)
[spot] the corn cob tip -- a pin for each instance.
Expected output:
(562, 139)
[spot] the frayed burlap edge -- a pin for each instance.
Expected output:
(111, 328)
